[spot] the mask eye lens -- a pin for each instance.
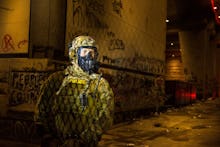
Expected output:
(92, 54)
(84, 52)
(87, 51)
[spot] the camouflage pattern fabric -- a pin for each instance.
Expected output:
(73, 104)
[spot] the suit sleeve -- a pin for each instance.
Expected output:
(45, 99)
(106, 113)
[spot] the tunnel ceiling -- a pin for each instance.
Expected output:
(184, 15)
(189, 14)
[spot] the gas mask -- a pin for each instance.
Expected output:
(87, 59)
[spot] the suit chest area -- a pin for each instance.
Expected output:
(77, 96)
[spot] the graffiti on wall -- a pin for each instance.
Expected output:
(87, 14)
(6, 8)
(22, 43)
(19, 129)
(25, 86)
(127, 95)
(14, 30)
(35, 66)
(96, 6)
(138, 94)
(137, 62)
(114, 42)
(8, 44)
(117, 6)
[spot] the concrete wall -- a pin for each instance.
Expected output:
(47, 25)
(216, 56)
(198, 61)
(131, 35)
(123, 29)
(14, 26)
(17, 64)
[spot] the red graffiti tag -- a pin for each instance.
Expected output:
(23, 42)
(7, 43)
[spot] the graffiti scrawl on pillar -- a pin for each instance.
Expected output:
(117, 6)
(25, 86)
(7, 43)
(114, 43)
(87, 14)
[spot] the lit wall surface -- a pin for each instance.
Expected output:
(126, 31)
(131, 35)
(14, 26)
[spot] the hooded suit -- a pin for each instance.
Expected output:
(76, 105)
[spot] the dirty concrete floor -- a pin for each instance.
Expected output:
(197, 125)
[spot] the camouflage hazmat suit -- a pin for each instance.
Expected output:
(75, 103)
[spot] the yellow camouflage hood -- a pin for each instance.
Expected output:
(74, 71)
(76, 44)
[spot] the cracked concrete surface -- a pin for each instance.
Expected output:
(196, 125)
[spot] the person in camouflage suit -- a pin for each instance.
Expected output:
(76, 105)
